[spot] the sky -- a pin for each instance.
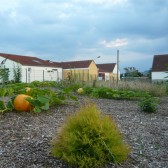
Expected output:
(72, 30)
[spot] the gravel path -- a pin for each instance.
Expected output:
(25, 137)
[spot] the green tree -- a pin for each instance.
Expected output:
(132, 72)
(149, 73)
(17, 72)
(4, 74)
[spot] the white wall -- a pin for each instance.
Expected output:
(32, 73)
(115, 71)
(107, 76)
(9, 64)
(159, 76)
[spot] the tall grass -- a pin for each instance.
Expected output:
(154, 89)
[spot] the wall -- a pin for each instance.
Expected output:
(9, 65)
(159, 76)
(82, 74)
(32, 73)
(111, 76)
(93, 71)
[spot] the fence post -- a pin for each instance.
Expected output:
(43, 75)
(26, 75)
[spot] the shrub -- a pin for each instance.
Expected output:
(89, 139)
(148, 104)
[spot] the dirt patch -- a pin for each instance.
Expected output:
(25, 137)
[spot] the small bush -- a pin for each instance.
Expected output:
(89, 139)
(148, 104)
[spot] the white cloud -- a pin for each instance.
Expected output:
(16, 18)
(105, 2)
(116, 43)
(8, 5)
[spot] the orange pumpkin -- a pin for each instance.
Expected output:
(21, 104)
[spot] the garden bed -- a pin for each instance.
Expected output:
(25, 137)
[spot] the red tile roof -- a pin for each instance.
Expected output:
(75, 64)
(28, 60)
(159, 63)
(109, 67)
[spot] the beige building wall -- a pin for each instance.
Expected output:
(76, 74)
(113, 77)
(93, 71)
(82, 74)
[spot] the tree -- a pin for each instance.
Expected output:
(149, 73)
(4, 74)
(132, 72)
(17, 72)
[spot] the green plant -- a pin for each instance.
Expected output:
(137, 86)
(89, 139)
(44, 98)
(6, 105)
(39, 103)
(17, 72)
(108, 93)
(4, 74)
(148, 104)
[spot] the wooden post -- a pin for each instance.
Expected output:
(117, 66)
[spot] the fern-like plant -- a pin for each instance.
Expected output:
(89, 139)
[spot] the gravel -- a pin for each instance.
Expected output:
(25, 137)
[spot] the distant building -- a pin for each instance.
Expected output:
(159, 68)
(108, 71)
(32, 68)
(84, 70)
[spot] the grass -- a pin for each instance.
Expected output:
(154, 89)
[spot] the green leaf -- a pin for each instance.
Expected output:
(45, 107)
(37, 110)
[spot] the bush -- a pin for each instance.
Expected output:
(148, 104)
(89, 139)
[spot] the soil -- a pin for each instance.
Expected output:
(25, 137)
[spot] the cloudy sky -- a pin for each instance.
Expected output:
(65, 30)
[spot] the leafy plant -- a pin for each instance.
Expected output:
(166, 71)
(4, 74)
(17, 72)
(39, 103)
(148, 104)
(89, 139)
(109, 93)
(4, 104)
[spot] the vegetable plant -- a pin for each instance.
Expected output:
(6, 105)
(109, 93)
